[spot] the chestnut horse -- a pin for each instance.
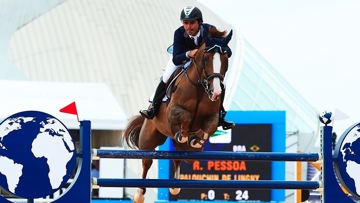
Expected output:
(192, 112)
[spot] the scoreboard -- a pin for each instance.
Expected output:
(255, 131)
(243, 137)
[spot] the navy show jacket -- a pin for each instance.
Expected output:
(183, 43)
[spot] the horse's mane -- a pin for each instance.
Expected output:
(215, 33)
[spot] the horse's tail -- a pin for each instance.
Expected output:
(132, 131)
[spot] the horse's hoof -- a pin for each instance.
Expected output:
(138, 197)
(174, 191)
(179, 138)
(195, 142)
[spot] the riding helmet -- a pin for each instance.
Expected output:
(191, 13)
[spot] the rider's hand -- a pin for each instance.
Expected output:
(192, 53)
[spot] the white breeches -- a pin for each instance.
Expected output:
(170, 68)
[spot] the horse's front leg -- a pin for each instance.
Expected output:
(175, 191)
(181, 117)
(209, 127)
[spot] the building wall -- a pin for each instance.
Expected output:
(14, 15)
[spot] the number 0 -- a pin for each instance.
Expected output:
(211, 194)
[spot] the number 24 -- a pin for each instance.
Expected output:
(242, 195)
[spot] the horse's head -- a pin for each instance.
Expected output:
(214, 63)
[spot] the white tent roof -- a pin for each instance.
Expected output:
(94, 102)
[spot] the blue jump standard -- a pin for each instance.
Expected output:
(80, 190)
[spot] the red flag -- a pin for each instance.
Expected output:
(71, 109)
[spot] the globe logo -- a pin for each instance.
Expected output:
(37, 154)
(326, 117)
(347, 156)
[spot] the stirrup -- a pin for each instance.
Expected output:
(148, 113)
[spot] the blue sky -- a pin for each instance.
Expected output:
(314, 45)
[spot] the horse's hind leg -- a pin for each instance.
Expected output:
(149, 139)
(175, 191)
(140, 192)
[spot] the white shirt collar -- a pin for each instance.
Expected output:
(195, 37)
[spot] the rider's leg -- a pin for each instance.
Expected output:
(169, 70)
(160, 91)
(159, 94)
(222, 122)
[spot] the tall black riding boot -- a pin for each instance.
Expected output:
(159, 94)
(226, 125)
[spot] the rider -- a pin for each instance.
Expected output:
(187, 39)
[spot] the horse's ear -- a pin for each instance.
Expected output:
(227, 39)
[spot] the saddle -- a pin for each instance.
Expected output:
(170, 85)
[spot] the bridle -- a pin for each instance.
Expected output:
(208, 77)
